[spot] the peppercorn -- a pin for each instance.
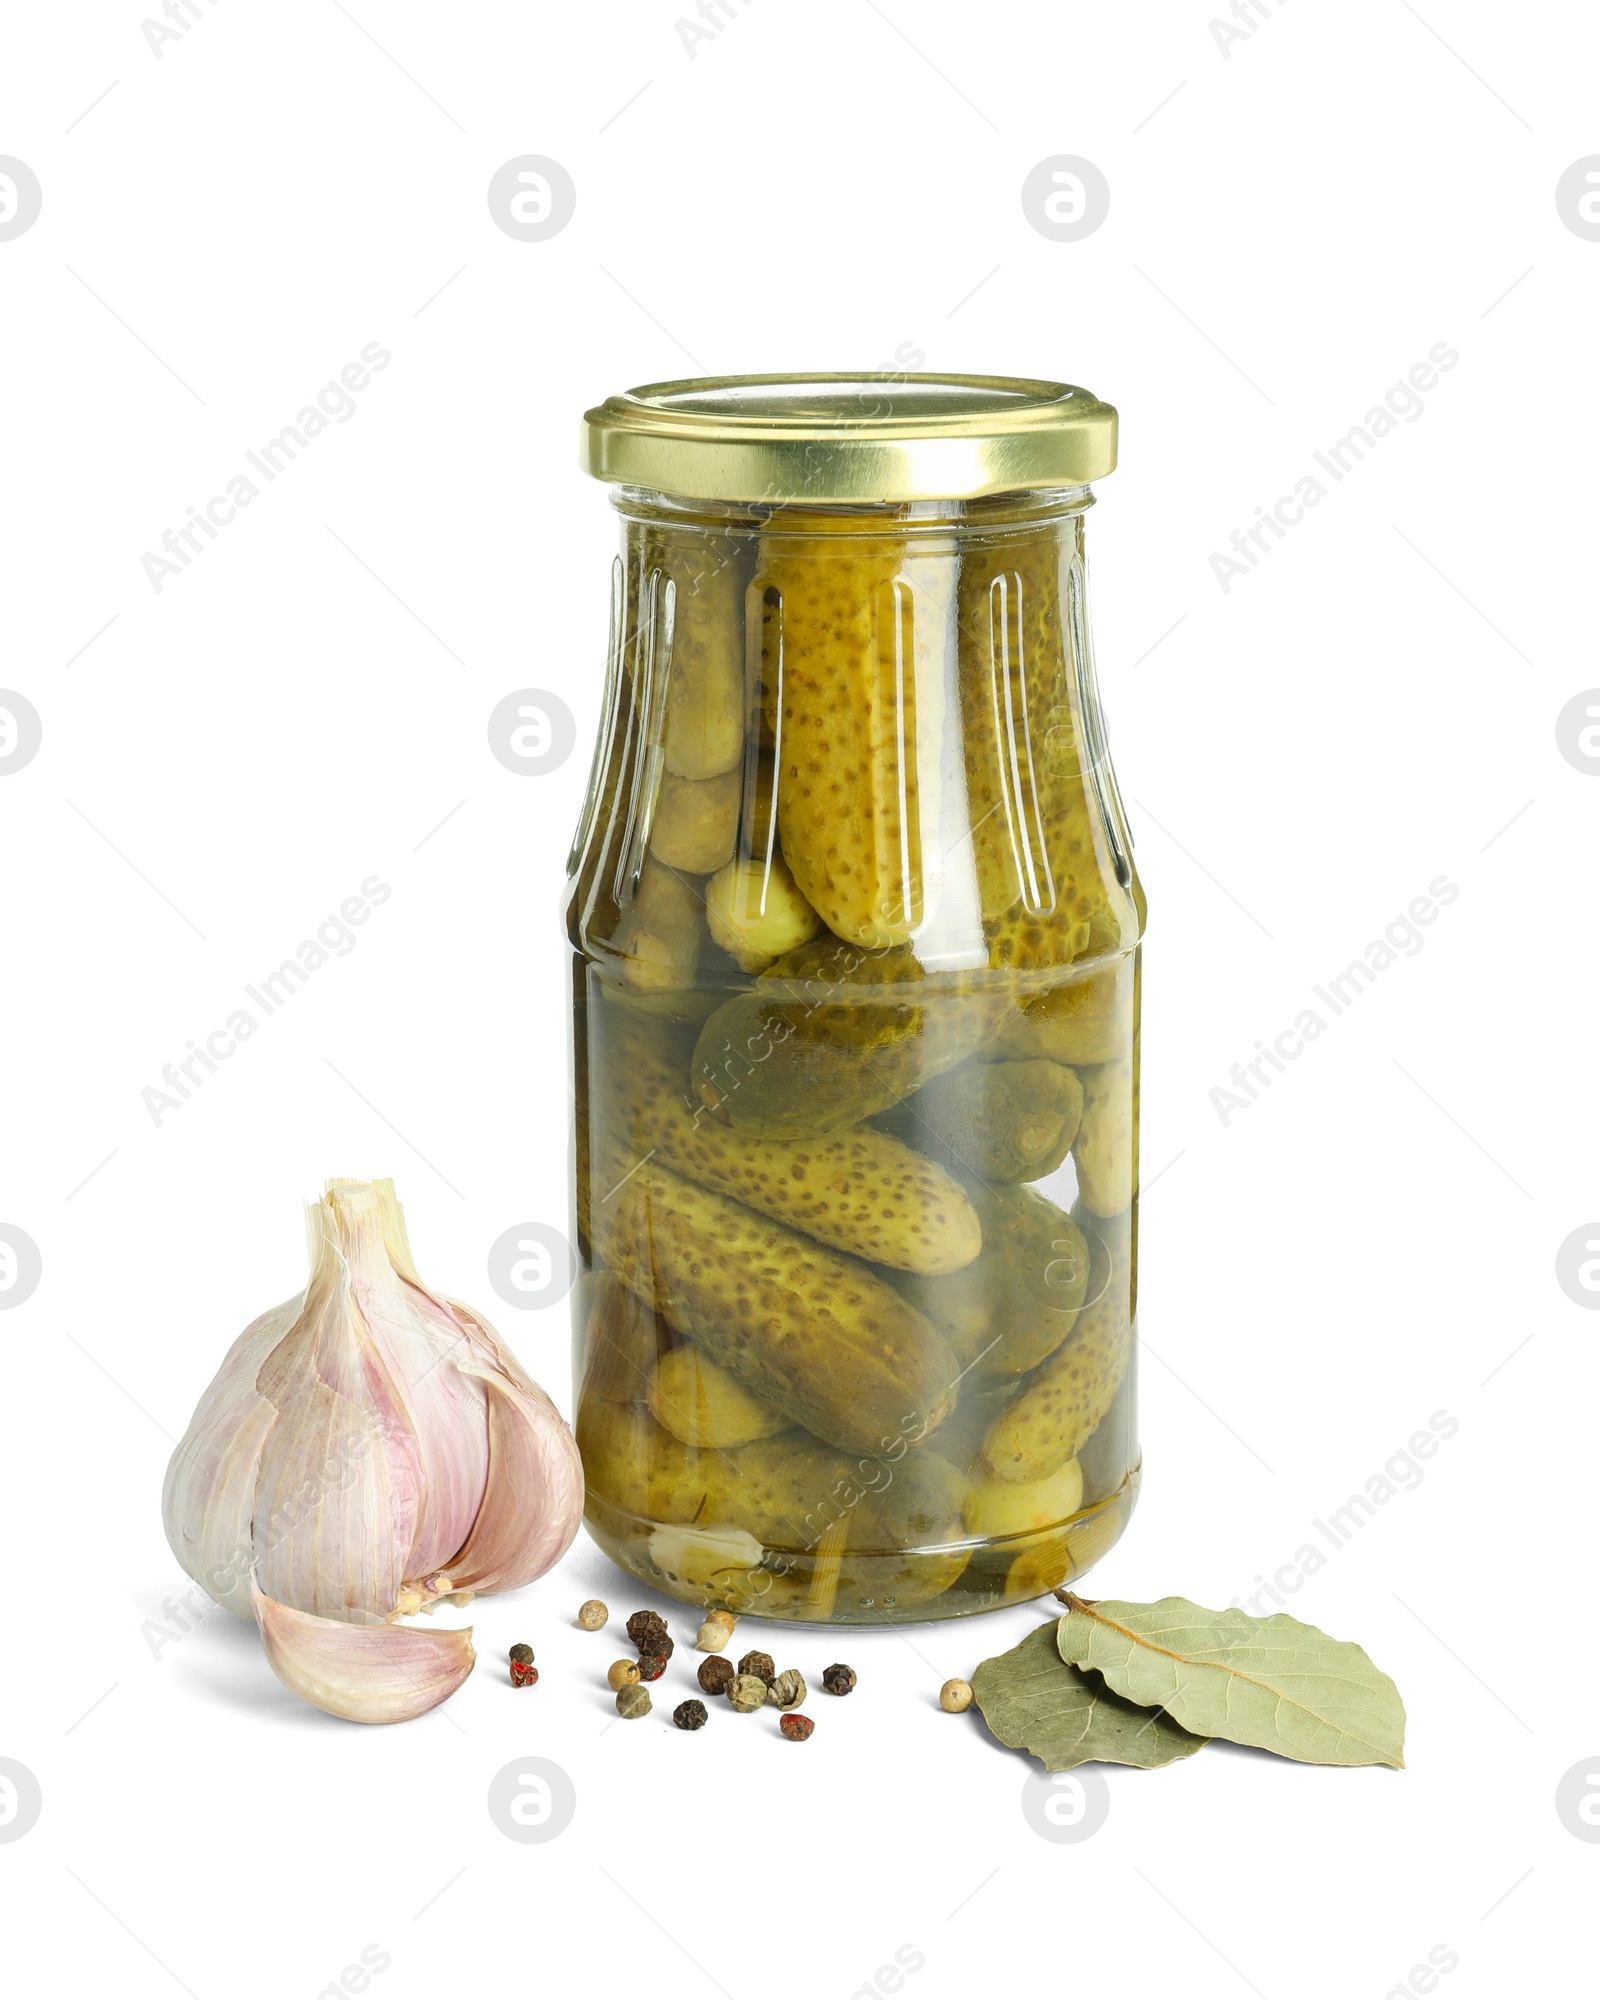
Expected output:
(521, 1656)
(523, 1673)
(621, 1674)
(715, 1633)
(839, 1679)
(652, 1666)
(759, 1664)
(716, 1674)
(796, 1727)
(690, 1715)
(632, 1702)
(747, 1692)
(647, 1629)
(788, 1690)
(592, 1615)
(955, 1696)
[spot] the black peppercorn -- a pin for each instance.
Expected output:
(521, 1656)
(839, 1679)
(759, 1664)
(716, 1674)
(648, 1631)
(690, 1715)
(651, 1666)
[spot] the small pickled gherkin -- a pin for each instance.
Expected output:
(830, 1034)
(1087, 1019)
(855, 634)
(1059, 1406)
(709, 572)
(623, 1338)
(1107, 1146)
(886, 1524)
(1045, 849)
(1019, 1299)
(756, 912)
(819, 1335)
(998, 1121)
(696, 822)
(700, 1403)
(860, 1191)
(661, 932)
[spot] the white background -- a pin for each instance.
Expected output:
(1292, 226)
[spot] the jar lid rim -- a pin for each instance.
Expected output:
(871, 435)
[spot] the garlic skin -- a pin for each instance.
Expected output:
(369, 1449)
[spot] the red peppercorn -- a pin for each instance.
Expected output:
(795, 1726)
(652, 1666)
(523, 1673)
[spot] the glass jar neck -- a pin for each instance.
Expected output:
(994, 513)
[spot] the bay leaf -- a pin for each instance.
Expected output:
(1032, 1700)
(1272, 1683)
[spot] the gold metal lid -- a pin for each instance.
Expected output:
(828, 439)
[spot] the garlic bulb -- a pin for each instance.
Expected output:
(368, 1449)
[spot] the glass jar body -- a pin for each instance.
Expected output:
(855, 1059)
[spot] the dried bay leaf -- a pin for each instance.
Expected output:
(1034, 1701)
(1272, 1683)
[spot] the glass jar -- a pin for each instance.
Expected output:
(855, 995)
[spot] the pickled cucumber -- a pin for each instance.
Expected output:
(1002, 1507)
(702, 1404)
(801, 1327)
(1019, 1300)
(696, 822)
(1046, 872)
(632, 1468)
(1106, 1153)
(830, 1034)
(999, 1121)
(622, 1339)
(705, 689)
(897, 1520)
(854, 675)
(757, 913)
(1082, 1020)
(860, 1191)
(661, 932)
(1060, 1405)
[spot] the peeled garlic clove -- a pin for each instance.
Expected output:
(533, 1499)
(706, 1558)
(362, 1673)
